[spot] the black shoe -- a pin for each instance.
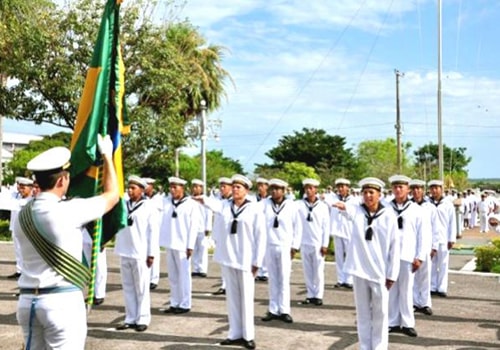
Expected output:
(426, 310)
(307, 301)
(411, 332)
(442, 294)
(181, 310)
(98, 301)
(152, 286)
(394, 329)
(141, 327)
(286, 318)
(347, 285)
(317, 301)
(269, 317)
(202, 274)
(125, 326)
(170, 310)
(249, 344)
(232, 341)
(195, 274)
(14, 276)
(261, 278)
(433, 292)
(338, 285)
(221, 291)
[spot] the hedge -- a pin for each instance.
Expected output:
(488, 257)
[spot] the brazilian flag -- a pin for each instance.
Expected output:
(101, 111)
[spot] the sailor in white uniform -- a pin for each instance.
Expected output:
(179, 228)
(51, 309)
(446, 236)
(414, 248)
(137, 246)
(157, 199)
(315, 218)
(200, 253)
(373, 261)
(284, 233)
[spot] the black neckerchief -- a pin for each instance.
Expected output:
(344, 199)
(419, 203)
(277, 208)
(406, 204)
(310, 207)
(182, 200)
(438, 202)
(370, 218)
(234, 225)
(131, 207)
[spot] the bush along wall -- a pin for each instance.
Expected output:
(488, 257)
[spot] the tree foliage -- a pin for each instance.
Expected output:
(378, 158)
(454, 160)
(315, 148)
(170, 69)
(291, 172)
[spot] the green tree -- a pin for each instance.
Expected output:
(17, 166)
(291, 172)
(378, 158)
(325, 153)
(455, 161)
(170, 68)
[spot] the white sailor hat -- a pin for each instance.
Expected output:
(24, 181)
(342, 181)
(417, 183)
(197, 182)
(435, 183)
(136, 180)
(399, 180)
(242, 180)
(149, 180)
(278, 183)
(52, 160)
(177, 181)
(310, 181)
(225, 180)
(371, 182)
(261, 180)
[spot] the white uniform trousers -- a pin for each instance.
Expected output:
(200, 253)
(155, 269)
(240, 289)
(473, 219)
(401, 298)
(314, 271)
(371, 300)
(17, 252)
(135, 283)
(483, 223)
(101, 272)
(439, 275)
(179, 278)
(341, 244)
(60, 320)
(422, 285)
(280, 266)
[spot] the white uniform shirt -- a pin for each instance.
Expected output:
(246, 247)
(341, 223)
(288, 234)
(315, 232)
(429, 230)
(377, 259)
(61, 223)
(414, 243)
(139, 240)
(16, 204)
(446, 228)
(179, 233)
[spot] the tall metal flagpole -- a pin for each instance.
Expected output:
(203, 125)
(440, 67)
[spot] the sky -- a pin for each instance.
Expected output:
(331, 65)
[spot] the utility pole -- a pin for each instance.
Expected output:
(203, 125)
(3, 83)
(439, 98)
(398, 123)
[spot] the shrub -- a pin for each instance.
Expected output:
(487, 257)
(4, 231)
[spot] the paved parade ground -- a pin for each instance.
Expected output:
(469, 318)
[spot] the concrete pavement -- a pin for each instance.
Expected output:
(469, 318)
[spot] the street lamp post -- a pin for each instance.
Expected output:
(203, 125)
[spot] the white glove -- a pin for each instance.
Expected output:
(105, 145)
